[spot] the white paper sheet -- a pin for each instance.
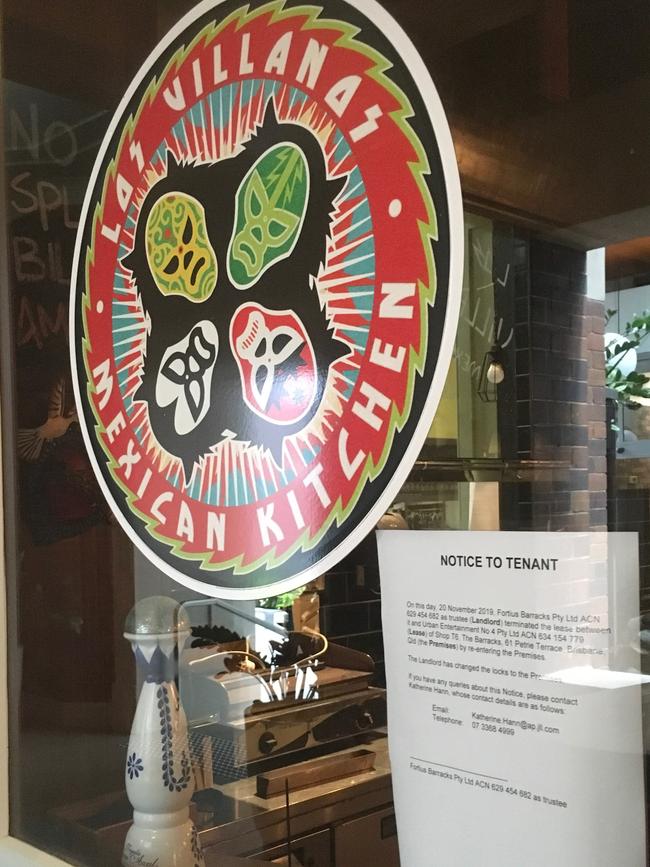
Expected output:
(513, 741)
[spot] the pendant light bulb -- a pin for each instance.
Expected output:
(495, 373)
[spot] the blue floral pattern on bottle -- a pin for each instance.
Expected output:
(196, 848)
(134, 766)
(166, 733)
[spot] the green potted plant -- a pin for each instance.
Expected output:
(625, 385)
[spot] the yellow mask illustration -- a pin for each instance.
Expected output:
(179, 253)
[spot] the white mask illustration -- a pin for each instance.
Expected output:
(185, 376)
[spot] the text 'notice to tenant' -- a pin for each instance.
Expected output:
(513, 697)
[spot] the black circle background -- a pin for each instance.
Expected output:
(421, 124)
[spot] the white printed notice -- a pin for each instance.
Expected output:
(514, 697)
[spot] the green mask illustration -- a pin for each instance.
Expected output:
(269, 212)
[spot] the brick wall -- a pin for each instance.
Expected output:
(559, 392)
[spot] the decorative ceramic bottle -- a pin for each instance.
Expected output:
(158, 774)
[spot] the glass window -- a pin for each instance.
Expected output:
(547, 102)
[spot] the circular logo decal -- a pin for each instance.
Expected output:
(266, 290)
